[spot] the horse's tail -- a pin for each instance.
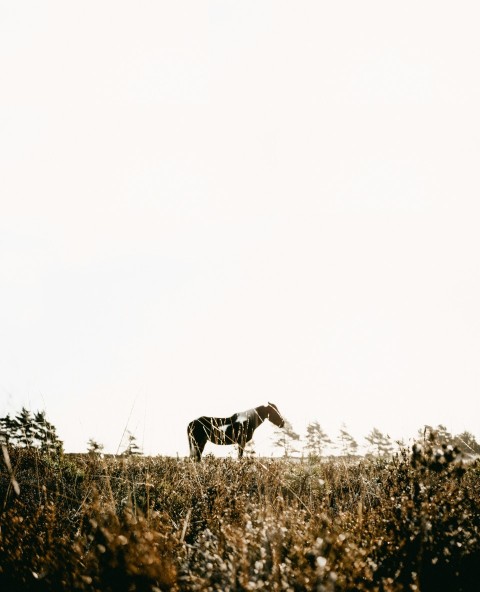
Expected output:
(190, 429)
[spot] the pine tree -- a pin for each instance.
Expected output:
(440, 435)
(29, 431)
(467, 443)
(348, 444)
(381, 443)
(45, 434)
(284, 438)
(317, 439)
(94, 447)
(7, 429)
(24, 429)
(132, 448)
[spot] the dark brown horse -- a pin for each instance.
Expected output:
(237, 429)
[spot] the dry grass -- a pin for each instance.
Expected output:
(86, 523)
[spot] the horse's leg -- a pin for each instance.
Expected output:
(196, 439)
(241, 445)
(199, 446)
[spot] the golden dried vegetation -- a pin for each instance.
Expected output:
(148, 524)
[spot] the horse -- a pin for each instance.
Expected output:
(237, 429)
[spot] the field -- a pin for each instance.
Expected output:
(125, 524)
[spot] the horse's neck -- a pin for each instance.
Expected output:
(252, 416)
(260, 413)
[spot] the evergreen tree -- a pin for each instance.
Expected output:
(440, 435)
(348, 444)
(45, 434)
(382, 444)
(94, 447)
(7, 429)
(317, 439)
(284, 438)
(443, 435)
(29, 431)
(24, 428)
(132, 448)
(467, 443)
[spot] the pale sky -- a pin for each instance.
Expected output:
(208, 206)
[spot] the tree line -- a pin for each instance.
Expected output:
(27, 430)
(33, 430)
(316, 441)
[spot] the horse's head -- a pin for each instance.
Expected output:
(274, 416)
